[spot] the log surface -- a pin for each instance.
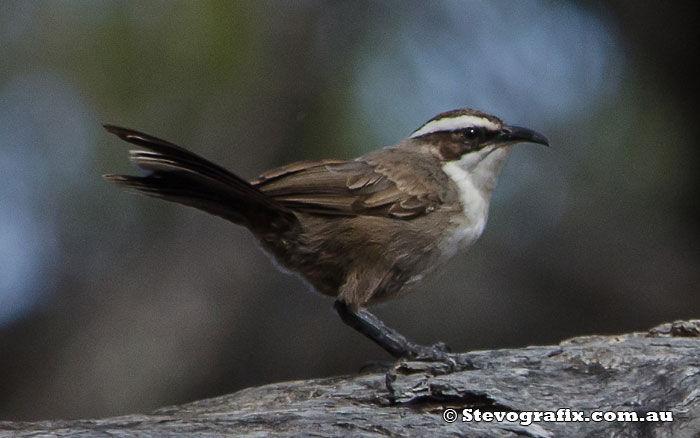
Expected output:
(658, 370)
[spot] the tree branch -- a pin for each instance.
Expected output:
(639, 372)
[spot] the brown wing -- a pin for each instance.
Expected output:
(375, 185)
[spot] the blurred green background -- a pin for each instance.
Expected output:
(112, 303)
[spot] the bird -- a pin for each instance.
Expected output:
(361, 230)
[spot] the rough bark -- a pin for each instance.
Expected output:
(640, 372)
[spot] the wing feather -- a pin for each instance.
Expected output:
(350, 188)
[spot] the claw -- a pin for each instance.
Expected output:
(439, 352)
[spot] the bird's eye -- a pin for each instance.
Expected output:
(471, 133)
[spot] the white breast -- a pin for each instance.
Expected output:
(475, 176)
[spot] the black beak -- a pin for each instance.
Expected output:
(518, 134)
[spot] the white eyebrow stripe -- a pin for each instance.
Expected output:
(454, 123)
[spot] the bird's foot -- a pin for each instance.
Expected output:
(439, 352)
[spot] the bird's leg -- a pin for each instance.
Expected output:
(392, 341)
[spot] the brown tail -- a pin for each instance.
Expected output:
(177, 175)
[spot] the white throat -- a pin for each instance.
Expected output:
(475, 176)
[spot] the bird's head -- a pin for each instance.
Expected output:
(472, 142)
